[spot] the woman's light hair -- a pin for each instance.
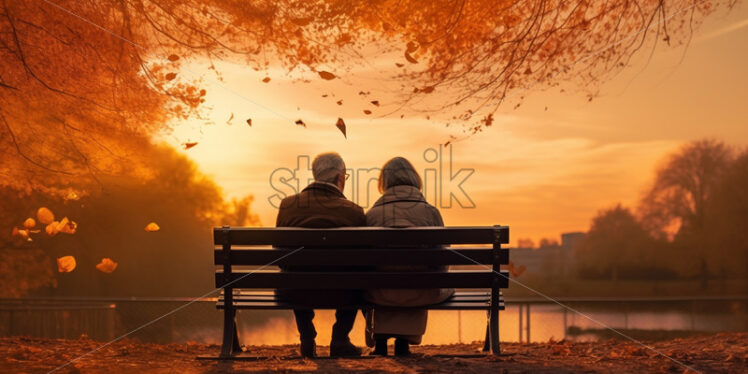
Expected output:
(327, 166)
(398, 171)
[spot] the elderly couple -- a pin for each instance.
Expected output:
(323, 205)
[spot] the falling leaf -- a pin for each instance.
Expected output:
(67, 226)
(399, 64)
(447, 143)
(106, 265)
(488, 120)
(340, 102)
(24, 234)
(171, 76)
(203, 92)
(173, 58)
(151, 227)
(367, 111)
(325, 95)
(189, 145)
(341, 127)
(266, 79)
(45, 215)
(51, 229)
(375, 102)
(402, 116)
(411, 47)
(228, 122)
(528, 70)
(410, 58)
(546, 108)
(362, 93)
(428, 89)
(326, 75)
(29, 223)
(300, 123)
(249, 122)
(65, 264)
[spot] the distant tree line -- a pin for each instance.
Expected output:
(691, 222)
(176, 260)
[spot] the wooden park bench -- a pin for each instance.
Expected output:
(358, 247)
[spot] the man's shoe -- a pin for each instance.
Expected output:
(401, 347)
(344, 349)
(308, 349)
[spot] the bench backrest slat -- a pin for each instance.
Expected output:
(361, 257)
(364, 280)
(359, 236)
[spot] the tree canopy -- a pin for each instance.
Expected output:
(85, 84)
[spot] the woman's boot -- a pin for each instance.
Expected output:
(401, 347)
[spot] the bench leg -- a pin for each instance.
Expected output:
(237, 347)
(230, 338)
(494, 331)
(487, 342)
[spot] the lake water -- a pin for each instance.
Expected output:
(106, 319)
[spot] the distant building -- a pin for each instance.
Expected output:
(549, 260)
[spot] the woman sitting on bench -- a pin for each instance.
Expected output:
(402, 205)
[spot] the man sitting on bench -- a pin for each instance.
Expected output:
(323, 205)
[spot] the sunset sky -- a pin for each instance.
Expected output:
(540, 171)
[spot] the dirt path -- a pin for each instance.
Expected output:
(721, 353)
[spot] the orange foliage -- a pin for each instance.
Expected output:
(151, 227)
(66, 264)
(83, 85)
(106, 265)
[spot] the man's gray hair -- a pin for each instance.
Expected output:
(327, 166)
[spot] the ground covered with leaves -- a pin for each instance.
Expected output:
(721, 353)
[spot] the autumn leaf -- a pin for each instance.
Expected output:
(66, 264)
(171, 76)
(375, 102)
(151, 227)
(51, 229)
(362, 93)
(399, 64)
(228, 122)
(24, 234)
(189, 145)
(410, 58)
(266, 79)
(367, 111)
(428, 89)
(340, 102)
(324, 95)
(106, 265)
(45, 215)
(29, 223)
(411, 47)
(326, 75)
(300, 123)
(67, 226)
(488, 120)
(173, 58)
(341, 127)
(249, 122)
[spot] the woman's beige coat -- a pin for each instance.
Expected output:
(402, 206)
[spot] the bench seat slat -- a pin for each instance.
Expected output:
(355, 236)
(459, 300)
(361, 257)
(362, 280)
